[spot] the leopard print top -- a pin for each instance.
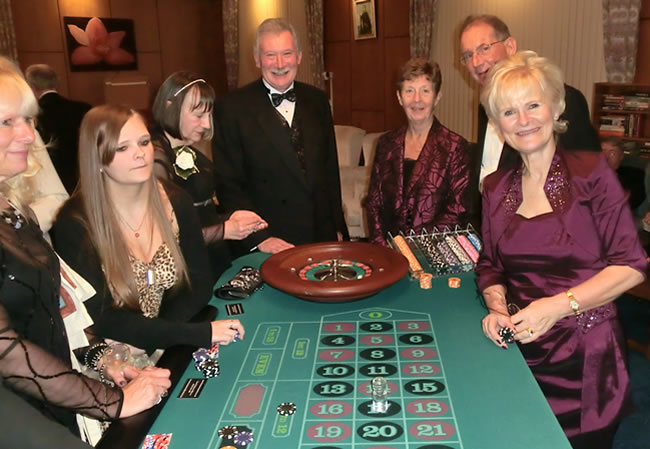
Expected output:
(153, 278)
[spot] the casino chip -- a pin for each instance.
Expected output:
(209, 368)
(228, 432)
(227, 447)
(507, 334)
(243, 438)
(287, 408)
(200, 355)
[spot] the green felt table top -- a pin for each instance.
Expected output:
(495, 402)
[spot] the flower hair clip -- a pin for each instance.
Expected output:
(185, 162)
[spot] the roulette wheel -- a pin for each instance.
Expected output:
(334, 271)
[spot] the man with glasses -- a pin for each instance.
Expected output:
(485, 40)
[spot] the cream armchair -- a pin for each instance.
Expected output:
(355, 178)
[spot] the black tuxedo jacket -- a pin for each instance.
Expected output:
(580, 135)
(58, 124)
(257, 168)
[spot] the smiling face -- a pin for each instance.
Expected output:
(194, 121)
(16, 134)
(526, 121)
(477, 35)
(133, 159)
(278, 59)
(418, 98)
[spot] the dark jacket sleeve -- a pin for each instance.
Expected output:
(580, 134)
(74, 245)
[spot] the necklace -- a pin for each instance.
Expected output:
(136, 231)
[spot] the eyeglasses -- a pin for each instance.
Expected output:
(481, 50)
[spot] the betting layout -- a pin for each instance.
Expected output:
(325, 370)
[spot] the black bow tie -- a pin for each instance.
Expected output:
(277, 99)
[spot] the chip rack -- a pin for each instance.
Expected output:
(442, 253)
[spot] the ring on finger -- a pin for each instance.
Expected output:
(159, 399)
(530, 332)
(164, 394)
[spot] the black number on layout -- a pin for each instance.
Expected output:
(376, 326)
(378, 369)
(379, 431)
(338, 340)
(424, 387)
(377, 354)
(335, 370)
(416, 339)
(366, 408)
(333, 389)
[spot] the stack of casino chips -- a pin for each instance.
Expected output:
(205, 360)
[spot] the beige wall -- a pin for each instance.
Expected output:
(568, 32)
(254, 12)
(170, 35)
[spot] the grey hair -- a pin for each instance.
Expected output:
(274, 25)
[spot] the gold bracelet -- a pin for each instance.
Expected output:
(573, 303)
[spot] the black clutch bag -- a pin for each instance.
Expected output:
(246, 282)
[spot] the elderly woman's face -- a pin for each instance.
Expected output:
(16, 135)
(526, 122)
(418, 98)
(194, 122)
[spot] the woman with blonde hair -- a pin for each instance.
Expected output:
(560, 247)
(138, 242)
(35, 359)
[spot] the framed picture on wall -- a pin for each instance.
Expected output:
(100, 44)
(364, 19)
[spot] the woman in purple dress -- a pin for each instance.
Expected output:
(560, 247)
(421, 171)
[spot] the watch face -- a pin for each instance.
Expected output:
(574, 305)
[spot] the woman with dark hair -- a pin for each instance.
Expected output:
(136, 240)
(420, 172)
(182, 113)
(35, 356)
(560, 247)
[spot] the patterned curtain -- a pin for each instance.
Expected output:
(621, 36)
(314, 11)
(7, 33)
(422, 18)
(230, 10)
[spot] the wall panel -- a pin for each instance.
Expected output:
(337, 61)
(30, 15)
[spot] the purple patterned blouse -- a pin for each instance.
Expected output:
(579, 363)
(435, 193)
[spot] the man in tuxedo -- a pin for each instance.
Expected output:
(485, 40)
(275, 152)
(58, 122)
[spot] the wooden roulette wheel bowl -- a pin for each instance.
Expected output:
(361, 269)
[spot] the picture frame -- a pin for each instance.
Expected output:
(364, 19)
(100, 44)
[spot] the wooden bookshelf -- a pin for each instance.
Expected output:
(623, 111)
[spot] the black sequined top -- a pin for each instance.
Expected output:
(34, 351)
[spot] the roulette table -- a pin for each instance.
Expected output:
(448, 386)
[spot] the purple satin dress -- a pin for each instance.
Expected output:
(433, 196)
(580, 362)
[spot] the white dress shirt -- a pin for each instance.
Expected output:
(492, 149)
(286, 108)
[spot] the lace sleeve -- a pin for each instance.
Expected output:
(29, 369)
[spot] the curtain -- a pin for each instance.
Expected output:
(621, 36)
(422, 17)
(230, 10)
(314, 12)
(7, 33)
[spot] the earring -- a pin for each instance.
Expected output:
(101, 170)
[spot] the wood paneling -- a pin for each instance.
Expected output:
(642, 75)
(364, 70)
(337, 61)
(144, 22)
(83, 8)
(38, 26)
(56, 60)
(337, 15)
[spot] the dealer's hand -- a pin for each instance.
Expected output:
(241, 224)
(145, 390)
(274, 245)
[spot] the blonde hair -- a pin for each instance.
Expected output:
(515, 78)
(98, 142)
(15, 188)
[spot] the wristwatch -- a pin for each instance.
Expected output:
(573, 303)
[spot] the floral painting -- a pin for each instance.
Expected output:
(97, 44)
